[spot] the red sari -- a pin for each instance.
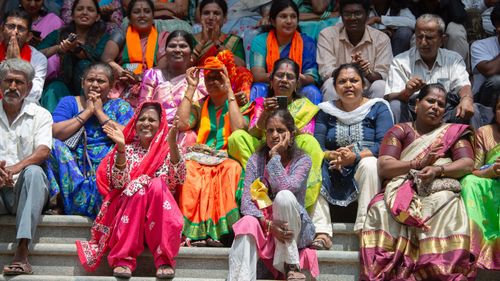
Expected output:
(138, 205)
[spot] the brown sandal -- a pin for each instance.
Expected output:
(160, 272)
(321, 242)
(18, 268)
(214, 243)
(293, 273)
(122, 272)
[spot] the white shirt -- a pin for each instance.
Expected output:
(482, 50)
(31, 128)
(39, 63)
(448, 69)
(405, 18)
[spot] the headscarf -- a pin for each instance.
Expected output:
(155, 157)
(240, 77)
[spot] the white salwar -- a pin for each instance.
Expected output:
(243, 254)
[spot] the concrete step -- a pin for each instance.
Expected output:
(93, 278)
(62, 260)
(67, 229)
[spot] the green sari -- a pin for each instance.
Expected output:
(482, 201)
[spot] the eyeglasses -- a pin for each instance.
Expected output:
(12, 27)
(353, 15)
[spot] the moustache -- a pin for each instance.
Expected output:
(12, 92)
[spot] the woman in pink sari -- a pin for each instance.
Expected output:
(137, 179)
(168, 84)
(418, 228)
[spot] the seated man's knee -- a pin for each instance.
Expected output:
(368, 163)
(377, 89)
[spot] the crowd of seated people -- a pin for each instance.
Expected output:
(247, 123)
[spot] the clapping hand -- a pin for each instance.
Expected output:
(115, 134)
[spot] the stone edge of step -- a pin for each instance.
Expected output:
(80, 221)
(92, 278)
(49, 249)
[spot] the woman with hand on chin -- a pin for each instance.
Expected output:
(276, 227)
(71, 166)
(138, 179)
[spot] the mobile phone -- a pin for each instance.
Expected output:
(282, 102)
(36, 33)
(72, 37)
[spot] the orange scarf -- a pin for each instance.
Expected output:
(273, 52)
(25, 52)
(133, 47)
(206, 125)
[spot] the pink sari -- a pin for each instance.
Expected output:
(138, 205)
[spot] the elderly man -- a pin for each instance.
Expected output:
(485, 60)
(16, 34)
(354, 41)
(428, 63)
(26, 139)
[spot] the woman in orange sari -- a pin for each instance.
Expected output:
(208, 197)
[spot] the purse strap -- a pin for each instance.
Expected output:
(86, 157)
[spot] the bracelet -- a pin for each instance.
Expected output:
(231, 99)
(189, 99)
(268, 226)
(104, 123)
(120, 166)
(368, 72)
(120, 151)
(442, 171)
(80, 120)
(358, 158)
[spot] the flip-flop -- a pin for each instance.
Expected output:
(320, 243)
(127, 273)
(214, 243)
(18, 268)
(160, 272)
(199, 243)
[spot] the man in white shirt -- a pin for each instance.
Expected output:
(16, 33)
(25, 142)
(428, 63)
(485, 62)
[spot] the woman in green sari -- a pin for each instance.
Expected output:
(284, 83)
(481, 195)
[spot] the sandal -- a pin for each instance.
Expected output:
(214, 243)
(165, 272)
(321, 242)
(293, 273)
(199, 243)
(18, 268)
(122, 272)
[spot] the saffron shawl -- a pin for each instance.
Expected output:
(91, 252)
(273, 52)
(132, 52)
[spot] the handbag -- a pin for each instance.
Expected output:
(438, 184)
(72, 142)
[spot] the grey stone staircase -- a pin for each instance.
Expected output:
(53, 255)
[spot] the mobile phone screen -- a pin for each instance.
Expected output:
(282, 102)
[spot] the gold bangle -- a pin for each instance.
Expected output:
(120, 166)
(231, 99)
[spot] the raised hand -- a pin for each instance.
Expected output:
(271, 104)
(193, 76)
(173, 130)
(115, 134)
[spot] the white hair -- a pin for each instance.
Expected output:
(435, 18)
(17, 65)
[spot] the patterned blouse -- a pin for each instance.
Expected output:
(293, 177)
(173, 174)
(487, 137)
